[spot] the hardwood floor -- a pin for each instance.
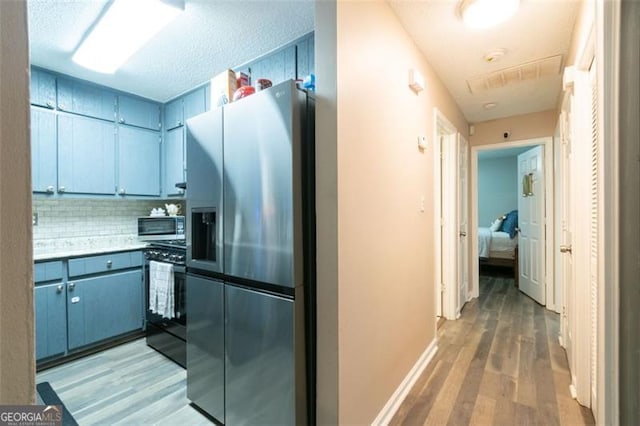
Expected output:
(499, 364)
(128, 385)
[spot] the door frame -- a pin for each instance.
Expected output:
(547, 143)
(445, 248)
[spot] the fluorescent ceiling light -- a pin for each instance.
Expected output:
(487, 13)
(123, 29)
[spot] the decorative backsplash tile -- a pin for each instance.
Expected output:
(80, 224)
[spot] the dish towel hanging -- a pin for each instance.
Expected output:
(161, 289)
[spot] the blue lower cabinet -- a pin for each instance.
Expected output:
(103, 307)
(51, 320)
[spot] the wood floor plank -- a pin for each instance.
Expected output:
(131, 384)
(517, 373)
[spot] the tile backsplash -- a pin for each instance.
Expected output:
(79, 224)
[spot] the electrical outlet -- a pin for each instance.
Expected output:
(34, 219)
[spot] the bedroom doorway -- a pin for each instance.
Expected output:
(504, 251)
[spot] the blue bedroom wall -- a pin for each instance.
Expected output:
(497, 188)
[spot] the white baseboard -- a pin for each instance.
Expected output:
(392, 405)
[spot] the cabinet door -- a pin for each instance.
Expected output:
(138, 112)
(103, 307)
(305, 57)
(259, 348)
(51, 320)
(138, 161)
(194, 103)
(277, 67)
(85, 99)
(173, 114)
(44, 158)
(43, 89)
(86, 155)
(174, 160)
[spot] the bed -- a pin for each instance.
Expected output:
(499, 248)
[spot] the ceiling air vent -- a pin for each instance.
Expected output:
(534, 70)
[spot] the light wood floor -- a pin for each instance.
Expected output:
(128, 385)
(499, 364)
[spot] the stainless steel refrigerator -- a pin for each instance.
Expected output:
(251, 259)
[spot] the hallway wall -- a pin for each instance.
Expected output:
(526, 126)
(384, 244)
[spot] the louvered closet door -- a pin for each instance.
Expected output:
(594, 252)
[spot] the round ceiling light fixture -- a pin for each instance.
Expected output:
(490, 105)
(487, 13)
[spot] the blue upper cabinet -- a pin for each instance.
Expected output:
(174, 161)
(86, 155)
(183, 108)
(277, 67)
(305, 57)
(86, 99)
(44, 162)
(138, 161)
(138, 112)
(194, 103)
(43, 89)
(173, 114)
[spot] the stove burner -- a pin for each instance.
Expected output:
(167, 251)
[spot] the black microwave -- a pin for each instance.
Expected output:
(156, 228)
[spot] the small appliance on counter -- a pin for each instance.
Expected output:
(161, 228)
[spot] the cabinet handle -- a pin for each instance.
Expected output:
(62, 189)
(50, 189)
(122, 191)
(59, 289)
(71, 286)
(109, 264)
(50, 104)
(180, 123)
(61, 107)
(121, 121)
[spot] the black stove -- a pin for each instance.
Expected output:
(168, 335)
(173, 251)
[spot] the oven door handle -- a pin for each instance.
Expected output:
(179, 269)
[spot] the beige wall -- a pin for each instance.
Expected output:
(526, 126)
(17, 364)
(384, 272)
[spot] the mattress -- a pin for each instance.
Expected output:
(496, 244)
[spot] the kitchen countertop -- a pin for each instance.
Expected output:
(88, 251)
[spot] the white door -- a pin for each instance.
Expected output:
(463, 241)
(531, 208)
(566, 260)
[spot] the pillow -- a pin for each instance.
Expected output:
(496, 224)
(510, 224)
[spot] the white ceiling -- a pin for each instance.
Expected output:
(540, 28)
(210, 36)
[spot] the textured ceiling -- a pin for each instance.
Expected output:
(210, 36)
(540, 28)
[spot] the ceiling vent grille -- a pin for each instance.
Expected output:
(529, 71)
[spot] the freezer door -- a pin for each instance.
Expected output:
(260, 365)
(204, 191)
(262, 187)
(205, 345)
